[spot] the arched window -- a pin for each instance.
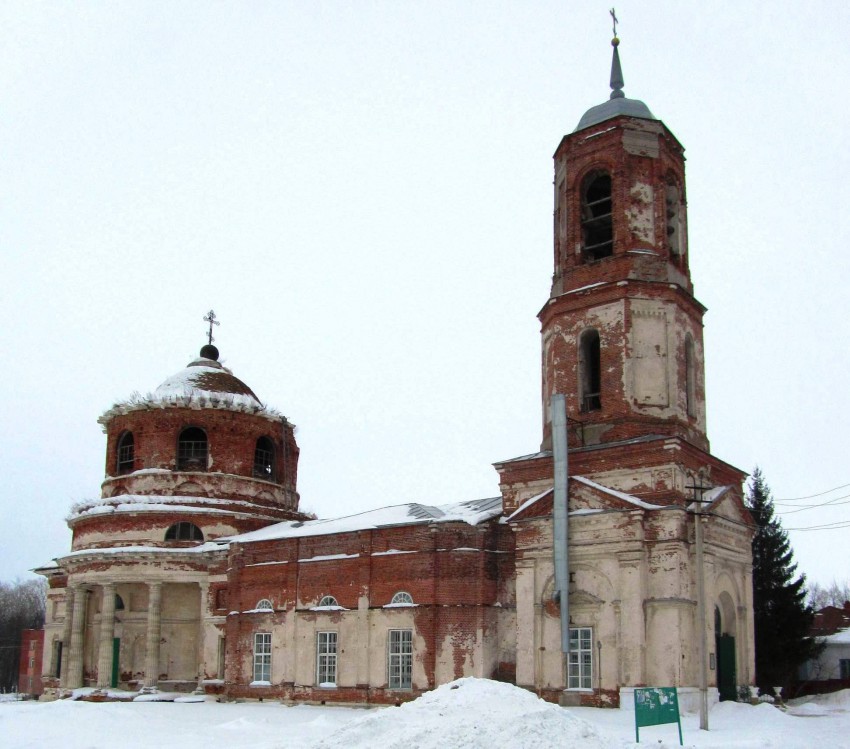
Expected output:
(264, 604)
(673, 201)
(126, 453)
(192, 450)
(119, 603)
(184, 531)
(590, 371)
(402, 598)
(690, 376)
(264, 459)
(597, 230)
(328, 601)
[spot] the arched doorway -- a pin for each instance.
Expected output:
(724, 640)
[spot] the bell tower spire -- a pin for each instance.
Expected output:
(622, 331)
(617, 82)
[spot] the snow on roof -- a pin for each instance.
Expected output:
(588, 448)
(158, 503)
(619, 495)
(200, 549)
(581, 479)
(472, 512)
(710, 497)
(204, 383)
(528, 502)
(530, 456)
(842, 637)
(585, 288)
(209, 376)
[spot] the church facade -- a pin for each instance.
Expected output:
(196, 571)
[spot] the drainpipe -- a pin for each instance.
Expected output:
(558, 413)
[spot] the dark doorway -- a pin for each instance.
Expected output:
(116, 649)
(726, 677)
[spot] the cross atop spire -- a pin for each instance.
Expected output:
(210, 318)
(616, 71)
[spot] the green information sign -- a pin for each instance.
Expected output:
(654, 706)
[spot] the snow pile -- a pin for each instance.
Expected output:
(763, 715)
(470, 714)
(821, 704)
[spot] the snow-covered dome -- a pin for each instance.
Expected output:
(206, 375)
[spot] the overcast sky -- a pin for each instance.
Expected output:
(363, 193)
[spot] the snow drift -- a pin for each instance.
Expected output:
(469, 714)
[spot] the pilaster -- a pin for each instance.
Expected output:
(64, 664)
(154, 634)
(75, 657)
(107, 634)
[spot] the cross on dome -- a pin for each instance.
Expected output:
(210, 318)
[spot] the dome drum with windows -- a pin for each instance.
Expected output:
(198, 458)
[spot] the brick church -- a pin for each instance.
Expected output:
(195, 570)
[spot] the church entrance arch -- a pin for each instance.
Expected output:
(724, 638)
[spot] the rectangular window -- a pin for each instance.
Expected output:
(57, 658)
(222, 652)
(263, 657)
(580, 663)
(326, 659)
(400, 659)
(844, 667)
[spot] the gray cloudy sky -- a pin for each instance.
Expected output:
(362, 192)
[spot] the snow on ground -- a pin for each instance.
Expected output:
(470, 714)
(475, 714)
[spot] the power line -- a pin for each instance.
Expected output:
(825, 527)
(833, 502)
(812, 496)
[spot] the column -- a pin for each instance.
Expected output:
(75, 657)
(202, 614)
(154, 634)
(107, 634)
(66, 637)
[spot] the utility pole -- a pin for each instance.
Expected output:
(700, 576)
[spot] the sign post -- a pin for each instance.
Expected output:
(654, 706)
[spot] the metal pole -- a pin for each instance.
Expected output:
(560, 531)
(703, 651)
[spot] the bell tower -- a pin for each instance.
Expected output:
(622, 330)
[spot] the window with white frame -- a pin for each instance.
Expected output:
(400, 659)
(264, 604)
(263, 656)
(326, 659)
(402, 598)
(328, 601)
(580, 662)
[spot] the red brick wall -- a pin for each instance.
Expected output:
(29, 673)
(641, 267)
(232, 437)
(456, 574)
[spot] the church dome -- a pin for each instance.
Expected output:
(207, 376)
(614, 108)
(617, 105)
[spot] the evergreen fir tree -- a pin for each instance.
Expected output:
(782, 618)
